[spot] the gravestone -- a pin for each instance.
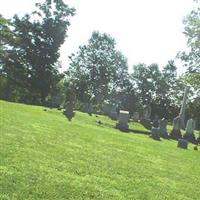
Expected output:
(190, 126)
(56, 101)
(189, 135)
(107, 109)
(183, 106)
(123, 120)
(163, 128)
(178, 122)
(161, 131)
(90, 109)
(182, 143)
(136, 116)
(155, 122)
(155, 133)
(146, 118)
(113, 113)
(110, 110)
(69, 108)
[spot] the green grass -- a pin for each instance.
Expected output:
(43, 156)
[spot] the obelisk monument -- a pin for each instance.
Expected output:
(183, 106)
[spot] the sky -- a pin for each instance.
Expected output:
(146, 31)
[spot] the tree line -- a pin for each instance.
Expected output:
(97, 72)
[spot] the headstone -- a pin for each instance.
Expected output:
(189, 135)
(190, 126)
(182, 143)
(155, 122)
(163, 128)
(110, 110)
(69, 109)
(155, 133)
(107, 109)
(123, 120)
(183, 106)
(161, 131)
(178, 122)
(136, 116)
(113, 113)
(56, 101)
(146, 118)
(90, 109)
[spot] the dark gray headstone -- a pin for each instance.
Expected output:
(178, 124)
(163, 128)
(182, 143)
(123, 120)
(113, 113)
(155, 133)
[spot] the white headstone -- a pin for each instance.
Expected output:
(123, 120)
(190, 126)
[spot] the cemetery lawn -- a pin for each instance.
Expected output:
(44, 156)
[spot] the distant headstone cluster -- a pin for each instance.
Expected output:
(178, 124)
(158, 126)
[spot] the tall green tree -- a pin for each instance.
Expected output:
(6, 39)
(33, 57)
(97, 68)
(192, 32)
(192, 56)
(156, 88)
(192, 59)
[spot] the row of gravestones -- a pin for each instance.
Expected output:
(161, 130)
(157, 132)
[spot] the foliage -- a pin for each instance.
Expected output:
(157, 88)
(97, 69)
(193, 79)
(30, 60)
(192, 32)
(192, 59)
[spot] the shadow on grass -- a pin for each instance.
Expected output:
(140, 131)
(107, 125)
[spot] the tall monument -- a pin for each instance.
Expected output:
(183, 106)
(178, 122)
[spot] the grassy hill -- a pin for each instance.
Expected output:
(44, 156)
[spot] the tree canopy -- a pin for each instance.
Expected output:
(98, 68)
(30, 59)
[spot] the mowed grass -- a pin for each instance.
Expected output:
(44, 156)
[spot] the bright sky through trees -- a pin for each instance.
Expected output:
(146, 31)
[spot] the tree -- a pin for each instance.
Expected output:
(97, 69)
(192, 59)
(6, 38)
(144, 80)
(156, 88)
(192, 32)
(33, 57)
